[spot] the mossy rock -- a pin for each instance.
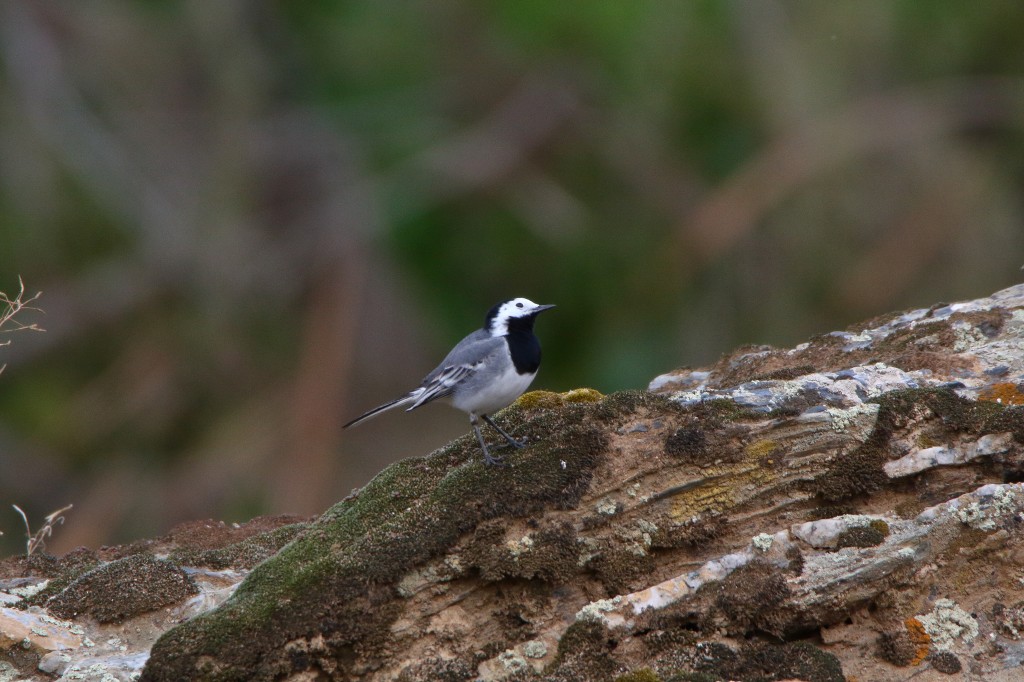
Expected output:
(240, 555)
(123, 589)
(328, 598)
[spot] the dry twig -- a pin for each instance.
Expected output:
(13, 306)
(37, 540)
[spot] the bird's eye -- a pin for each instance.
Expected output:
(519, 305)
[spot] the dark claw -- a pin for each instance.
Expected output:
(492, 461)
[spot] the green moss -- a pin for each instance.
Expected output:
(855, 473)
(946, 662)
(583, 395)
(955, 414)
(689, 443)
(719, 412)
(799, 660)
(550, 400)
(583, 654)
(60, 572)
(763, 662)
(830, 511)
(620, 569)
(625, 403)
(750, 597)
(539, 400)
(549, 554)
(664, 637)
(862, 536)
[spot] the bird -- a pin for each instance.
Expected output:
(484, 372)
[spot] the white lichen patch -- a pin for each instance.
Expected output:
(520, 546)
(854, 341)
(597, 610)
(946, 623)
(763, 541)
(878, 378)
(861, 417)
(990, 504)
(678, 380)
(638, 537)
(512, 661)
(855, 386)
(454, 563)
(646, 526)
(607, 507)
(966, 336)
(535, 649)
(974, 516)
(28, 590)
(848, 388)
(1005, 499)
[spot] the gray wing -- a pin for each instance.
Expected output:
(460, 364)
(469, 350)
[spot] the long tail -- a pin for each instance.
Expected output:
(397, 402)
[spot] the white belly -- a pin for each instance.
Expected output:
(495, 395)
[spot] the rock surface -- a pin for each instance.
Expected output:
(94, 615)
(847, 509)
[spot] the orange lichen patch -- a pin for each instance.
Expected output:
(921, 639)
(1004, 393)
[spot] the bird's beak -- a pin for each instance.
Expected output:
(542, 308)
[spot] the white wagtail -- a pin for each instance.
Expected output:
(485, 371)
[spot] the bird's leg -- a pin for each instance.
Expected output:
(512, 441)
(488, 459)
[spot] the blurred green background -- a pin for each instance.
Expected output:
(251, 221)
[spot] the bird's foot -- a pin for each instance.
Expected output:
(492, 461)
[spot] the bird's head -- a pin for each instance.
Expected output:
(518, 313)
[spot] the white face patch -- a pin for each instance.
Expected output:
(517, 307)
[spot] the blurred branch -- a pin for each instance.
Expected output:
(307, 466)
(879, 124)
(91, 149)
(487, 152)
